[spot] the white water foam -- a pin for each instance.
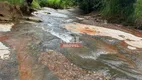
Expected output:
(64, 37)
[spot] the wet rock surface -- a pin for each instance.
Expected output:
(113, 52)
(36, 50)
(23, 64)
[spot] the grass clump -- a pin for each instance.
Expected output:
(138, 9)
(138, 14)
(120, 10)
(57, 3)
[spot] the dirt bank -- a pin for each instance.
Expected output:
(9, 12)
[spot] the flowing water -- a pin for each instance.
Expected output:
(107, 54)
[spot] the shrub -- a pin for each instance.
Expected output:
(138, 14)
(57, 3)
(89, 5)
(120, 10)
(43, 3)
(35, 4)
(138, 9)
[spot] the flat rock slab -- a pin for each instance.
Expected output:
(4, 51)
(130, 39)
(6, 27)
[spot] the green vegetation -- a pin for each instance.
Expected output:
(112, 8)
(57, 3)
(138, 14)
(127, 12)
(89, 5)
(15, 2)
(47, 3)
(35, 4)
(138, 9)
(118, 10)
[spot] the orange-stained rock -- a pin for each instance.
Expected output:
(128, 38)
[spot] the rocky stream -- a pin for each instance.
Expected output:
(31, 50)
